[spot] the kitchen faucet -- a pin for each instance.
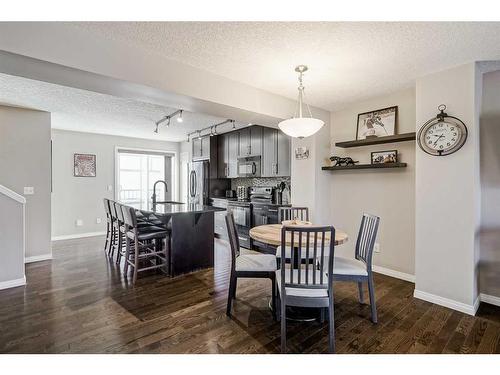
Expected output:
(154, 192)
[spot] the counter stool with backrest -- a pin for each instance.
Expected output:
(309, 284)
(251, 264)
(115, 229)
(109, 226)
(359, 268)
(291, 213)
(146, 247)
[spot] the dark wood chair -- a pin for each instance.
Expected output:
(146, 247)
(291, 213)
(247, 263)
(309, 284)
(109, 226)
(359, 268)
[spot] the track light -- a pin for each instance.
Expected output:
(156, 130)
(234, 124)
(168, 117)
(199, 134)
(188, 139)
(179, 118)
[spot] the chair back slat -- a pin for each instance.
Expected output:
(234, 242)
(317, 268)
(366, 238)
(292, 213)
(119, 212)
(106, 208)
(129, 217)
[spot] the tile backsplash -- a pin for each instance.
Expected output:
(259, 181)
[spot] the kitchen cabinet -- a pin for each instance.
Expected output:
(276, 153)
(233, 148)
(250, 141)
(223, 156)
(201, 148)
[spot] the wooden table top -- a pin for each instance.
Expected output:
(271, 235)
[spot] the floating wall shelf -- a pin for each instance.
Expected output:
(365, 166)
(378, 140)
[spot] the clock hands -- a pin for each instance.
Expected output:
(441, 136)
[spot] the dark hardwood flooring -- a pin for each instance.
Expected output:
(80, 302)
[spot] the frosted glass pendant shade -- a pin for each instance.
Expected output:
(300, 127)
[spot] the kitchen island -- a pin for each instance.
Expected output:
(192, 234)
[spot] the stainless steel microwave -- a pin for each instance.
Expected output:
(249, 166)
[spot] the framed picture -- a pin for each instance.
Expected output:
(382, 157)
(301, 153)
(84, 165)
(379, 123)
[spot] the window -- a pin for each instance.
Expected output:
(137, 172)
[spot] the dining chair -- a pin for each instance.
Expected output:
(291, 213)
(146, 247)
(359, 268)
(309, 284)
(115, 229)
(247, 264)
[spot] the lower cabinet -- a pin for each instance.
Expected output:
(220, 229)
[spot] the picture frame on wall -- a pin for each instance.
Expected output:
(378, 123)
(84, 165)
(301, 153)
(384, 157)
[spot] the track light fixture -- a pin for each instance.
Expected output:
(167, 118)
(212, 129)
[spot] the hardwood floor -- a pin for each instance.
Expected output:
(81, 303)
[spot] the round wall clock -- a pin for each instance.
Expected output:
(442, 135)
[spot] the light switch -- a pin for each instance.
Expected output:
(29, 190)
(98, 220)
(110, 187)
(79, 222)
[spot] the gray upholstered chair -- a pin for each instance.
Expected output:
(309, 284)
(359, 268)
(247, 263)
(291, 213)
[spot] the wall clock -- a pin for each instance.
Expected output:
(442, 135)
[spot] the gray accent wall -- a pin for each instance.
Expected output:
(81, 197)
(11, 235)
(25, 161)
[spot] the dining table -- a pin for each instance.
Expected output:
(270, 234)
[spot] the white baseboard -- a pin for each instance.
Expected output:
(492, 300)
(78, 235)
(38, 258)
(446, 302)
(395, 274)
(13, 283)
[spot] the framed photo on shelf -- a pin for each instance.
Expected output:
(84, 165)
(384, 157)
(379, 123)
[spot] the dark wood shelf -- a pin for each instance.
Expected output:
(366, 166)
(378, 140)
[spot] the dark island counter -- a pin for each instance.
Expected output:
(192, 235)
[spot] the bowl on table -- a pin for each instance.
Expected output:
(295, 223)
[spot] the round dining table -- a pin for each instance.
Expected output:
(271, 234)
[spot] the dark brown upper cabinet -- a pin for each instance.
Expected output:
(276, 153)
(250, 141)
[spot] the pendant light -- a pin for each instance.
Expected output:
(300, 127)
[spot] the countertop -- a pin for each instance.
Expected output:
(176, 209)
(248, 202)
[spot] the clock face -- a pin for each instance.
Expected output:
(442, 137)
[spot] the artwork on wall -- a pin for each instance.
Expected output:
(383, 157)
(301, 153)
(84, 165)
(379, 123)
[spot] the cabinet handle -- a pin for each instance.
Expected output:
(276, 166)
(273, 210)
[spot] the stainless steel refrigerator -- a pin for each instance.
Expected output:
(204, 184)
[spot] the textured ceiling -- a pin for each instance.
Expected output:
(348, 61)
(85, 111)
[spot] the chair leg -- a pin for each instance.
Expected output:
(120, 245)
(107, 238)
(230, 294)
(136, 260)
(331, 325)
(371, 290)
(127, 254)
(273, 296)
(360, 289)
(283, 327)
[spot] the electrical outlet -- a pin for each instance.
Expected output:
(98, 220)
(29, 190)
(79, 222)
(376, 248)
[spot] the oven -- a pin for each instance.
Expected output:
(249, 166)
(242, 213)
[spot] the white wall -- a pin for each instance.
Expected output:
(489, 270)
(82, 198)
(448, 194)
(389, 194)
(25, 161)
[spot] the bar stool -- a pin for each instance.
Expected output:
(147, 245)
(109, 226)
